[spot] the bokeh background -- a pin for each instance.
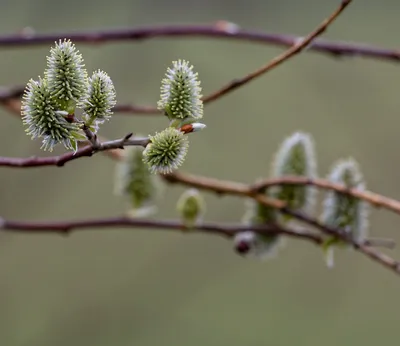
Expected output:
(137, 287)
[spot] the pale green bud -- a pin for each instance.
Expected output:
(296, 157)
(98, 100)
(134, 181)
(41, 116)
(342, 211)
(181, 92)
(66, 74)
(254, 245)
(166, 151)
(191, 207)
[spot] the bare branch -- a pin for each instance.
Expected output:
(226, 230)
(87, 150)
(65, 227)
(297, 47)
(374, 199)
(219, 30)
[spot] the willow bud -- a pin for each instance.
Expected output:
(342, 211)
(134, 181)
(98, 100)
(66, 75)
(166, 151)
(41, 116)
(254, 245)
(181, 92)
(296, 157)
(191, 207)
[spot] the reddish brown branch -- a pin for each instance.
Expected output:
(374, 199)
(233, 188)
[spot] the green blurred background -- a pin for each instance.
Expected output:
(133, 287)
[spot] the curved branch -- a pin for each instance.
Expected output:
(238, 189)
(297, 47)
(220, 29)
(378, 201)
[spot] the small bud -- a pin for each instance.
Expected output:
(134, 180)
(254, 245)
(66, 75)
(343, 211)
(296, 157)
(181, 123)
(191, 207)
(98, 100)
(195, 127)
(40, 114)
(180, 92)
(166, 151)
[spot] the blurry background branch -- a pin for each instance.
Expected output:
(221, 29)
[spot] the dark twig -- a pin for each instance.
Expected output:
(218, 30)
(64, 227)
(226, 230)
(60, 160)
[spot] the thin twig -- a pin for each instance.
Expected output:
(221, 29)
(65, 227)
(374, 199)
(297, 47)
(15, 93)
(226, 230)
(87, 150)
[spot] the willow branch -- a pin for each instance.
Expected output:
(87, 150)
(218, 30)
(111, 223)
(291, 52)
(238, 189)
(378, 201)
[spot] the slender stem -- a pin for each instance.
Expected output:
(295, 49)
(64, 227)
(87, 150)
(218, 30)
(226, 230)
